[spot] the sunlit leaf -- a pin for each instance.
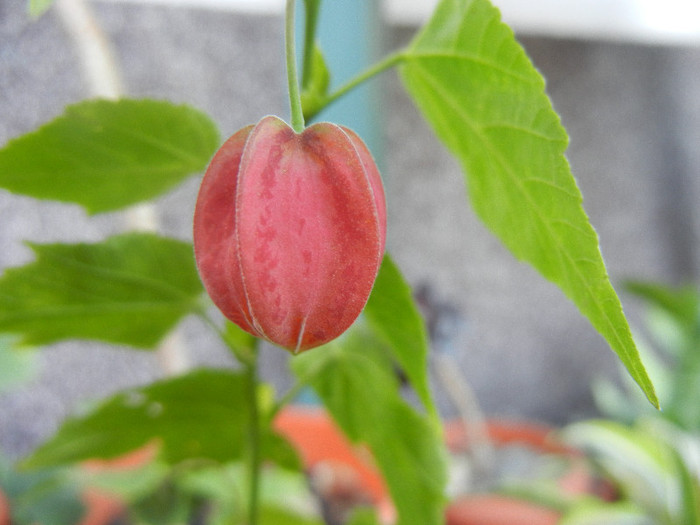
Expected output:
(483, 97)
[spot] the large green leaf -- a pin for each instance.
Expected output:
(130, 289)
(105, 155)
(16, 365)
(486, 102)
(359, 390)
(202, 415)
(392, 313)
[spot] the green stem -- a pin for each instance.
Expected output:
(311, 8)
(386, 63)
(254, 443)
(297, 388)
(244, 356)
(297, 114)
(249, 360)
(290, 396)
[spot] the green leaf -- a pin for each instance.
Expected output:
(364, 516)
(105, 155)
(16, 365)
(270, 515)
(363, 398)
(203, 415)
(243, 345)
(626, 402)
(164, 506)
(682, 304)
(313, 94)
(222, 487)
(673, 320)
(592, 512)
(130, 484)
(394, 316)
(647, 469)
(37, 8)
(48, 497)
(283, 496)
(130, 289)
(477, 88)
(689, 491)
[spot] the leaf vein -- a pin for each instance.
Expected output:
(517, 183)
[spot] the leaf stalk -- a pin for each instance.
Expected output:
(387, 62)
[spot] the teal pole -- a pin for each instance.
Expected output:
(348, 33)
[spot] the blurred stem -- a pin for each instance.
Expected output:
(311, 10)
(297, 113)
(288, 397)
(386, 63)
(99, 66)
(254, 441)
(248, 357)
(480, 446)
(297, 388)
(244, 354)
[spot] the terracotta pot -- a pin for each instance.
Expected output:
(4, 510)
(501, 433)
(341, 471)
(495, 509)
(325, 450)
(318, 440)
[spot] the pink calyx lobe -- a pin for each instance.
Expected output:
(290, 231)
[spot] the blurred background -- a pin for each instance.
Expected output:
(623, 74)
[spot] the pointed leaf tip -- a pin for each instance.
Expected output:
(486, 101)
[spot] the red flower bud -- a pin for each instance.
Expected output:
(289, 231)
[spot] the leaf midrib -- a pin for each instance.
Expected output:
(143, 138)
(118, 276)
(468, 57)
(517, 183)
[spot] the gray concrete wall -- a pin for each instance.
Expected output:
(633, 114)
